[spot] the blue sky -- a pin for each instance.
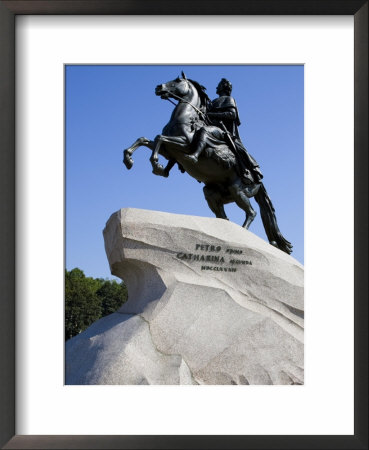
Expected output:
(109, 107)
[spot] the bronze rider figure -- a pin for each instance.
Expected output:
(224, 122)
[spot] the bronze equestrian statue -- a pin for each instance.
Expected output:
(202, 138)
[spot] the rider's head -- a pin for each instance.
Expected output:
(224, 87)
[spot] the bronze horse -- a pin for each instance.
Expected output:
(216, 166)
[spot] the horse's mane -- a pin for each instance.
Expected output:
(204, 99)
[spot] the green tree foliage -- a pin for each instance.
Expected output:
(88, 299)
(112, 295)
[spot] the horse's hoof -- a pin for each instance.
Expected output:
(158, 170)
(127, 160)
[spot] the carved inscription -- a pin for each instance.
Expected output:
(222, 260)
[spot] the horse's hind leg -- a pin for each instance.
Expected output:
(215, 202)
(238, 194)
(142, 141)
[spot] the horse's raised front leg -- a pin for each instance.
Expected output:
(157, 168)
(142, 141)
(167, 168)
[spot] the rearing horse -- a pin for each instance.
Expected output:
(216, 166)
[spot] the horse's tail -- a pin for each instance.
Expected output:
(269, 219)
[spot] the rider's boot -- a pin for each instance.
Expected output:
(194, 157)
(200, 145)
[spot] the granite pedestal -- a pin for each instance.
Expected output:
(209, 303)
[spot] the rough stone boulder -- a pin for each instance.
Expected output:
(209, 303)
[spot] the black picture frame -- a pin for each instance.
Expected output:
(8, 12)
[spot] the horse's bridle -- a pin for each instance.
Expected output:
(180, 99)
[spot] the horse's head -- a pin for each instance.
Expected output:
(178, 88)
